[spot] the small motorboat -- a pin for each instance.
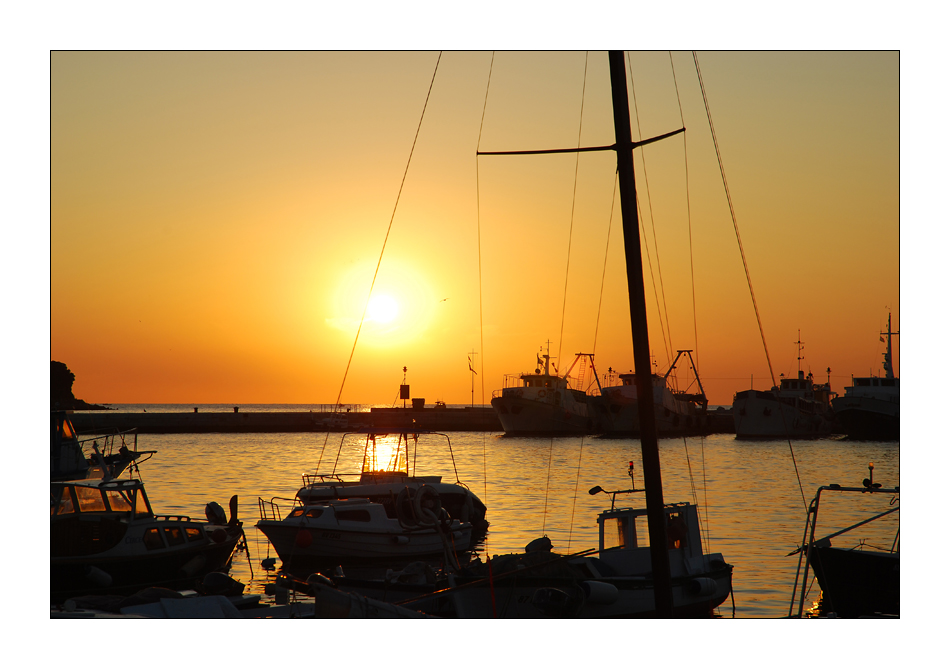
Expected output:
(105, 539)
(856, 579)
(73, 458)
(317, 535)
(383, 478)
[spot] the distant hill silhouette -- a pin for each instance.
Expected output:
(61, 390)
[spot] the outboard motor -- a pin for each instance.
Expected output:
(540, 544)
(215, 514)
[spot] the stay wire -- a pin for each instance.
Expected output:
(481, 321)
(567, 273)
(664, 316)
(745, 265)
(689, 215)
(603, 276)
(381, 252)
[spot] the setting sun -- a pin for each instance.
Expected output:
(382, 309)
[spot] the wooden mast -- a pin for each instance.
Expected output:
(656, 515)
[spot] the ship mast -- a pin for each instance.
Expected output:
(652, 480)
(888, 364)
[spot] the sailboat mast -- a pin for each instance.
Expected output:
(656, 515)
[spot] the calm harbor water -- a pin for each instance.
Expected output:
(751, 503)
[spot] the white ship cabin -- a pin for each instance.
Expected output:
(805, 387)
(625, 539)
(874, 386)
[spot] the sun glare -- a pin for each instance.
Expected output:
(382, 309)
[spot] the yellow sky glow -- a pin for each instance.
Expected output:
(217, 219)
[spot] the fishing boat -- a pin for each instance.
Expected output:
(357, 531)
(105, 539)
(73, 458)
(797, 408)
(870, 408)
(856, 580)
(677, 412)
(386, 471)
(543, 403)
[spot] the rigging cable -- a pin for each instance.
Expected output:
(567, 271)
(692, 278)
(745, 265)
(481, 322)
(603, 276)
(664, 316)
(381, 252)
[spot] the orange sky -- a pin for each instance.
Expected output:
(216, 219)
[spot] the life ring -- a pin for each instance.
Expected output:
(542, 392)
(427, 505)
(519, 392)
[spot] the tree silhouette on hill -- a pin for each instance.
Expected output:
(61, 389)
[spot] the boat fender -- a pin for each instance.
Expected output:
(215, 514)
(98, 577)
(701, 587)
(426, 504)
(598, 592)
(400, 539)
(193, 566)
(303, 539)
(219, 535)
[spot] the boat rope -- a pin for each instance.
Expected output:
(481, 320)
(664, 314)
(745, 265)
(570, 229)
(689, 215)
(382, 252)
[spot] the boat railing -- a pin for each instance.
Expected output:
(270, 510)
(312, 479)
(808, 538)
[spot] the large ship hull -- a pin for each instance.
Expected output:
(759, 415)
(523, 416)
(868, 418)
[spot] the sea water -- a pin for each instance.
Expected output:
(752, 495)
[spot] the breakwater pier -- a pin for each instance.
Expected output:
(435, 419)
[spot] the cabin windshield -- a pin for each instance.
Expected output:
(141, 504)
(61, 502)
(67, 429)
(90, 500)
(119, 500)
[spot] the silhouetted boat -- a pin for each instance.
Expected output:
(68, 457)
(324, 534)
(545, 403)
(871, 406)
(856, 580)
(676, 412)
(796, 408)
(105, 539)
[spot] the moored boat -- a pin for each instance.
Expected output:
(797, 408)
(382, 482)
(544, 403)
(871, 406)
(105, 539)
(69, 459)
(351, 531)
(677, 412)
(857, 580)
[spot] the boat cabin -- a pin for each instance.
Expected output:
(625, 539)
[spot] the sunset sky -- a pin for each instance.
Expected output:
(216, 220)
